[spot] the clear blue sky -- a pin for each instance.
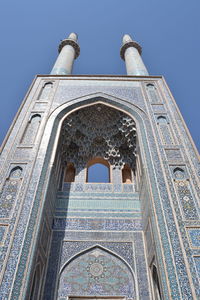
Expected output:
(168, 30)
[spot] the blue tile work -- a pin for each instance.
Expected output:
(122, 249)
(186, 200)
(128, 188)
(93, 213)
(161, 203)
(3, 229)
(142, 272)
(177, 253)
(98, 187)
(31, 130)
(197, 263)
(101, 200)
(173, 154)
(8, 197)
(70, 250)
(96, 224)
(159, 108)
(97, 273)
(153, 93)
(166, 134)
(9, 190)
(165, 203)
(36, 203)
(66, 92)
(194, 234)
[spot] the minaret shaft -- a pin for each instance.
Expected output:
(131, 53)
(69, 51)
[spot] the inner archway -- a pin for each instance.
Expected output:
(98, 132)
(96, 272)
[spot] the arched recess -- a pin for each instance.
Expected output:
(50, 140)
(100, 134)
(97, 272)
(127, 174)
(70, 172)
(31, 129)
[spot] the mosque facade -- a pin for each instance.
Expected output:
(135, 234)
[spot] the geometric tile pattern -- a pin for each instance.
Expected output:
(194, 234)
(173, 202)
(96, 273)
(96, 224)
(186, 200)
(197, 262)
(3, 229)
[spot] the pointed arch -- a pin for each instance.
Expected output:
(70, 173)
(179, 173)
(127, 174)
(45, 91)
(103, 249)
(96, 265)
(53, 127)
(31, 129)
(16, 172)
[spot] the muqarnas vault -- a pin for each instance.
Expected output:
(134, 235)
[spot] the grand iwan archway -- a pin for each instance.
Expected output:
(98, 133)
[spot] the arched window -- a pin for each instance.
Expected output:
(70, 173)
(126, 174)
(98, 170)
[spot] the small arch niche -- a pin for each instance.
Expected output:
(126, 174)
(31, 129)
(16, 172)
(179, 173)
(98, 171)
(70, 173)
(150, 86)
(161, 120)
(45, 91)
(151, 89)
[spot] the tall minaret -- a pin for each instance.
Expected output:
(131, 53)
(69, 50)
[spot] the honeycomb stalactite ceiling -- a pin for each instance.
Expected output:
(99, 131)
